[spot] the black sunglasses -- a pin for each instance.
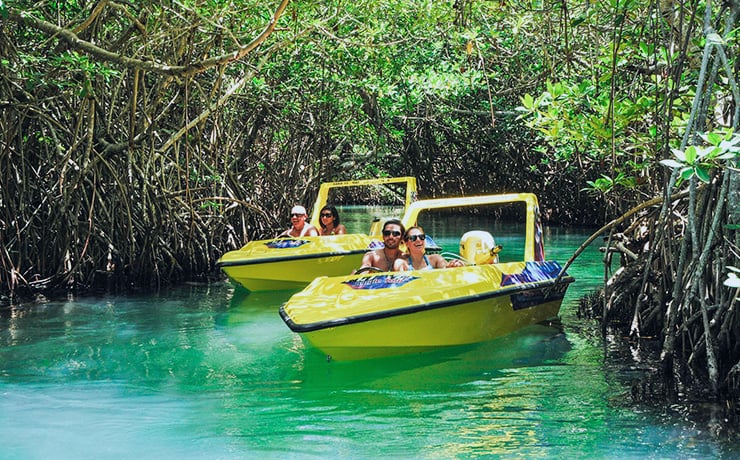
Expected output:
(420, 236)
(391, 232)
(327, 214)
(296, 215)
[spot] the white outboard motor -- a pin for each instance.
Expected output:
(478, 247)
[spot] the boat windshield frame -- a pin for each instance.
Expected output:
(533, 244)
(323, 194)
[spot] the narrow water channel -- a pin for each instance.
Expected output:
(211, 372)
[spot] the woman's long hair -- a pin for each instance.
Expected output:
(334, 214)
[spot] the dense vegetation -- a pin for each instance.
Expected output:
(140, 140)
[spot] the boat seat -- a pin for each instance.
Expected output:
(478, 247)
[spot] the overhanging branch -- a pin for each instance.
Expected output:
(180, 70)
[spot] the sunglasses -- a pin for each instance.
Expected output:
(420, 236)
(391, 232)
(327, 215)
(297, 215)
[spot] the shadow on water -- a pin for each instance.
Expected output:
(533, 346)
(245, 306)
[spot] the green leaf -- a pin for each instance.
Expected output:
(686, 173)
(702, 172)
(528, 102)
(690, 154)
(713, 138)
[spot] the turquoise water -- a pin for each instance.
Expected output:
(211, 372)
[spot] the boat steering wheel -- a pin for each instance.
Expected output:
(369, 269)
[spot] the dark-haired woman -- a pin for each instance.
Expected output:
(329, 222)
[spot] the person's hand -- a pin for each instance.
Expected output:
(454, 263)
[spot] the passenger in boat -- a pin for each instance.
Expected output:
(416, 257)
(329, 221)
(299, 226)
(382, 259)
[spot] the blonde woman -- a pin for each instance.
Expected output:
(416, 257)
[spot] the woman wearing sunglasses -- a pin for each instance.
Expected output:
(416, 257)
(329, 221)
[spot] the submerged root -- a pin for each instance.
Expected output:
(660, 294)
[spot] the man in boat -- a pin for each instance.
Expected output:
(299, 226)
(382, 259)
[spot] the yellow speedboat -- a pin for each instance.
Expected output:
(380, 314)
(292, 263)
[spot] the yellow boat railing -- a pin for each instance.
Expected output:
(533, 246)
(323, 195)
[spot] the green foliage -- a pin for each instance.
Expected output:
(699, 161)
(618, 103)
(605, 184)
(574, 119)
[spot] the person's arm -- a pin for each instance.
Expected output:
(400, 265)
(312, 231)
(455, 263)
(367, 259)
(437, 261)
(440, 262)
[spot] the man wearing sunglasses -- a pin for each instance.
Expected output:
(299, 226)
(382, 259)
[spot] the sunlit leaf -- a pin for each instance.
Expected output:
(732, 281)
(686, 173)
(673, 164)
(679, 154)
(690, 154)
(702, 173)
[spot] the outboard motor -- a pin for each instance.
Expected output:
(478, 247)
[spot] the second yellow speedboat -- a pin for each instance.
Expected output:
(292, 263)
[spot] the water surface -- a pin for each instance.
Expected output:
(212, 372)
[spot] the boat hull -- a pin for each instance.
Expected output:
(293, 263)
(419, 311)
